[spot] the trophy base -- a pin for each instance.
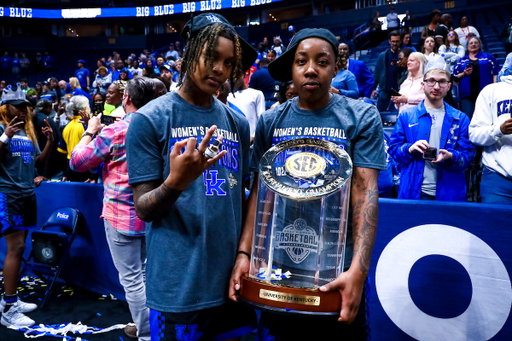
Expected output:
(279, 299)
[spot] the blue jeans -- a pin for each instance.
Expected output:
(383, 100)
(467, 106)
(495, 188)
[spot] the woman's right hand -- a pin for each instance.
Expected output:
(468, 71)
(13, 127)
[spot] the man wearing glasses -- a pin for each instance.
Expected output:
(431, 143)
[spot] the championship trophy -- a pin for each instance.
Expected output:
(300, 228)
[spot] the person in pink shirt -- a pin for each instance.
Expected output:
(124, 230)
(411, 91)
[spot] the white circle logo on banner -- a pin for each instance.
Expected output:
(492, 293)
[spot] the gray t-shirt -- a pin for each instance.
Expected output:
(192, 250)
(353, 125)
(17, 164)
(434, 141)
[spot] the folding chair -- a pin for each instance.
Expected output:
(51, 244)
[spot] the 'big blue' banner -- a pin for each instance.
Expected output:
(441, 271)
(148, 11)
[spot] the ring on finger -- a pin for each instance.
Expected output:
(200, 152)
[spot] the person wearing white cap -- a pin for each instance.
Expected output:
(430, 142)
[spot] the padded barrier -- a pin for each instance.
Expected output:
(90, 264)
(439, 270)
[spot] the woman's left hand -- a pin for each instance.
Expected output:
(334, 90)
(39, 179)
(399, 99)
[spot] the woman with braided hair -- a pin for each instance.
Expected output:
(345, 83)
(193, 199)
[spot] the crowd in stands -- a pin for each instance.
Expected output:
(396, 85)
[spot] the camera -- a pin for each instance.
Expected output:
(430, 154)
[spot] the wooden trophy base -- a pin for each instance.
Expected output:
(287, 300)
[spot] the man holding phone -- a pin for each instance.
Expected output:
(431, 144)
(387, 72)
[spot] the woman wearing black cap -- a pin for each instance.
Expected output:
(195, 202)
(310, 62)
(19, 152)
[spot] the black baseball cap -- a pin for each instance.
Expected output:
(196, 23)
(18, 103)
(281, 68)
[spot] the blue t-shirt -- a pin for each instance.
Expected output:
(17, 164)
(16, 62)
(346, 82)
(80, 91)
(82, 75)
(192, 250)
(48, 62)
(263, 81)
(6, 62)
(115, 74)
(50, 95)
(176, 77)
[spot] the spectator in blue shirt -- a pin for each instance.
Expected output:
(6, 62)
(120, 67)
(76, 90)
(82, 74)
(475, 71)
(344, 83)
(65, 87)
(47, 61)
(406, 43)
(364, 77)
(172, 53)
(263, 81)
(176, 76)
(16, 64)
(48, 94)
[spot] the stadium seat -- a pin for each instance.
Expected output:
(388, 118)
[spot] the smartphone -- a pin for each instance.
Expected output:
(394, 92)
(98, 108)
(430, 154)
(107, 120)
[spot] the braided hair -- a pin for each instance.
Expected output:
(209, 35)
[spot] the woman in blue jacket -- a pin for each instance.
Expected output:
(475, 70)
(345, 82)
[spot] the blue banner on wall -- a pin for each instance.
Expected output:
(441, 271)
(118, 12)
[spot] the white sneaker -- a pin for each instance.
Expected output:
(23, 306)
(14, 318)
